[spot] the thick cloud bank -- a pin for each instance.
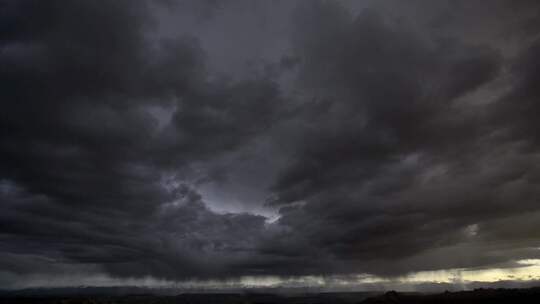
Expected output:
(378, 137)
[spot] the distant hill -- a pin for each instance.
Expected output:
(127, 295)
(491, 296)
(137, 295)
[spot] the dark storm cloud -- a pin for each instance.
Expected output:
(85, 165)
(398, 162)
(401, 141)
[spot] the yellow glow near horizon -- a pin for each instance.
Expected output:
(530, 270)
(527, 270)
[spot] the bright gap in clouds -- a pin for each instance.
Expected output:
(528, 270)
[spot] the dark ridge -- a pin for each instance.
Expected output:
(497, 296)
(190, 298)
(480, 295)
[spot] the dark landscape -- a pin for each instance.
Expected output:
(528, 295)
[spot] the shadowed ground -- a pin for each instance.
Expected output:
(530, 295)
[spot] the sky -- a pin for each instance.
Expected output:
(269, 143)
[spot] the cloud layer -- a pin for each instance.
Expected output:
(383, 138)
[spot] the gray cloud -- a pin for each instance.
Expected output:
(398, 155)
(386, 139)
